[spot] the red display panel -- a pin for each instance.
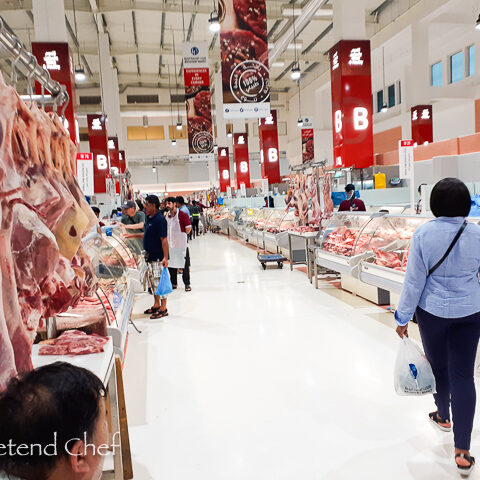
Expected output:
(122, 160)
(114, 156)
(55, 57)
(240, 158)
(422, 124)
(351, 84)
(224, 168)
(98, 140)
(270, 158)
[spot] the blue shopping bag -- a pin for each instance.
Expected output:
(164, 285)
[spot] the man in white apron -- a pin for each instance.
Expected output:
(179, 227)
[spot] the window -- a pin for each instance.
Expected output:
(399, 93)
(391, 96)
(471, 60)
(379, 100)
(146, 133)
(437, 76)
(456, 67)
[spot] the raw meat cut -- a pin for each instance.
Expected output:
(237, 47)
(387, 259)
(253, 15)
(203, 105)
(327, 198)
(316, 217)
(74, 342)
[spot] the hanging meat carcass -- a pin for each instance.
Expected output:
(327, 197)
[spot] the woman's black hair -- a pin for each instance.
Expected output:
(50, 405)
(96, 210)
(450, 198)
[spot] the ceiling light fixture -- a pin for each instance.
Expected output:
(384, 108)
(79, 70)
(179, 125)
(229, 134)
(477, 23)
(154, 168)
(80, 73)
(214, 21)
(174, 142)
(300, 122)
(295, 72)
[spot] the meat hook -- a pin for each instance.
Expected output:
(13, 75)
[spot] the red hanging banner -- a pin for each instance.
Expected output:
(224, 168)
(55, 57)
(422, 124)
(269, 154)
(308, 147)
(240, 158)
(197, 100)
(244, 57)
(352, 104)
(98, 140)
(114, 156)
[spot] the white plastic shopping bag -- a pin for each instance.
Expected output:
(413, 372)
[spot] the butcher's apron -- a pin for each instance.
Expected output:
(177, 242)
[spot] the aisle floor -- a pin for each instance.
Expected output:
(255, 375)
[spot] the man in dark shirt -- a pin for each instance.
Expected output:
(155, 243)
(195, 212)
(351, 203)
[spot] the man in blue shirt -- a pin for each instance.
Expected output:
(155, 243)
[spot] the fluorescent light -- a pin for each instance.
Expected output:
(295, 72)
(278, 64)
(213, 23)
(80, 73)
(298, 45)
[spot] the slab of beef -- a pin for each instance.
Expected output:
(74, 342)
(327, 197)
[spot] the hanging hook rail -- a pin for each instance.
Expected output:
(23, 57)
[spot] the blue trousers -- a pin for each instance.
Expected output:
(450, 346)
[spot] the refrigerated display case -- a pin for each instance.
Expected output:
(247, 220)
(346, 241)
(272, 230)
(115, 288)
(220, 219)
(259, 226)
(233, 216)
(385, 266)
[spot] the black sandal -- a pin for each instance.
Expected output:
(188, 288)
(442, 424)
(151, 310)
(159, 314)
(465, 471)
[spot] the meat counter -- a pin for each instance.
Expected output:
(386, 264)
(246, 221)
(219, 219)
(115, 287)
(259, 226)
(233, 216)
(272, 230)
(346, 241)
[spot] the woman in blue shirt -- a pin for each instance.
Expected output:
(447, 307)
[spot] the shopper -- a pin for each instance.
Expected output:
(442, 289)
(179, 227)
(53, 425)
(195, 212)
(181, 206)
(155, 244)
(351, 204)
(133, 222)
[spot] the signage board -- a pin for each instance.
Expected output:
(269, 152)
(85, 173)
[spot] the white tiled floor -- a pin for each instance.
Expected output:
(255, 375)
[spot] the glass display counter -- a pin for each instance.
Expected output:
(385, 266)
(220, 219)
(247, 220)
(233, 216)
(346, 240)
(259, 226)
(271, 231)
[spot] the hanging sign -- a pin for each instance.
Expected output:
(269, 153)
(122, 160)
(244, 57)
(405, 158)
(197, 99)
(243, 190)
(224, 168)
(265, 186)
(85, 172)
(114, 156)
(55, 58)
(308, 146)
(229, 192)
(241, 160)
(98, 140)
(352, 104)
(422, 124)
